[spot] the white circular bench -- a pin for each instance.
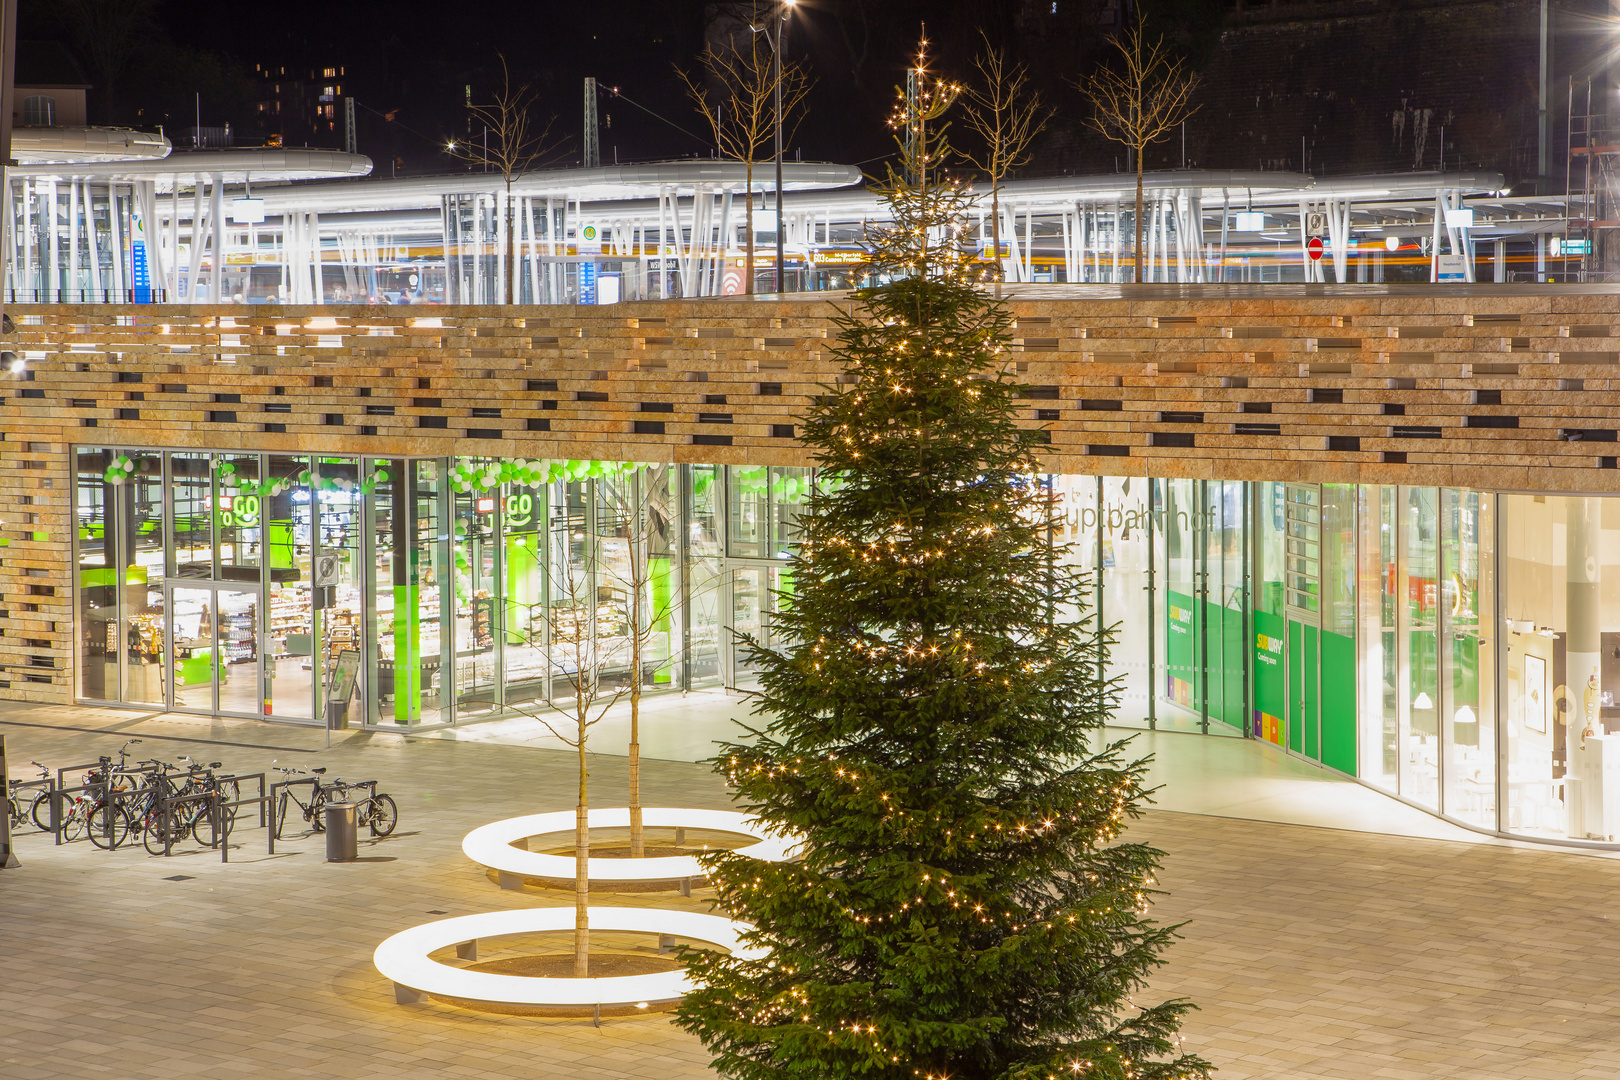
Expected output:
(404, 959)
(492, 845)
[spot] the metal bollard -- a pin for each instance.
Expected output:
(342, 832)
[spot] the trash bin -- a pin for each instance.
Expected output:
(342, 831)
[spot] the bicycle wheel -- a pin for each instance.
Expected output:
(41, 811)
(73, 827)
(156, 833)
(108, 828)
(384, 815)
(227, 812)
(317, 814)
(279, 814)
(202, 826)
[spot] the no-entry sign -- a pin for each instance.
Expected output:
(1314, 246)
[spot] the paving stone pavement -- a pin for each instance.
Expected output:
(1311, 952)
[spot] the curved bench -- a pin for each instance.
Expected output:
(492, 846)
(404, 959)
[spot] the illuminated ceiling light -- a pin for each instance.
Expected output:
(1392, 243)
(247, 211)
(1461, 217)
(1465, 715)
(1422, 701)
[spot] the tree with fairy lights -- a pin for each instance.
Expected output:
(964, 907)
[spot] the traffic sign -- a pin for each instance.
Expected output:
(1314, 246)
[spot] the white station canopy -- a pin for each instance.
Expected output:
(85, 145)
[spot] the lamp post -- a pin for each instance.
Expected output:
(784, 10)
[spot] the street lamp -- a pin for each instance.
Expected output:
(784, 10)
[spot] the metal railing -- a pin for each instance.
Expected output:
(86, 296)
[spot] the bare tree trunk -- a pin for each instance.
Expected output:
(748, 226)
(582, 855)
(511, 250)
(1136, 256)
(638, 844)
(995, 233)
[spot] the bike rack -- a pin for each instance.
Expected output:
(224, 836)
(105, 789)
(165, 802)
(48, 784)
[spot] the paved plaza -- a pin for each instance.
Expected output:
(1312, 951)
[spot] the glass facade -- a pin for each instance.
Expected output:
(1457, 649)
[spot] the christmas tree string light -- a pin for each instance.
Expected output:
(965, 908)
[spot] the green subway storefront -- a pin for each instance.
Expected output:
(1457, 649)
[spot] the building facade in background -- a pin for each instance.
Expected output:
(1376, 528)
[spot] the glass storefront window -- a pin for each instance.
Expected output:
(1182, 659)
(1361, 627)
(1125, 529)
(1269, 705)
(523, 518)
(475, 553)
(340, 508)
(96, 585)
(1378, 657)
(191, 519)
(236, 512)
(1467, 729)
(1420, 702)
(748, 530)
(287, 509)
(703, 577)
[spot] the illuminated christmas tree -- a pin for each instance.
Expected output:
(964, 908)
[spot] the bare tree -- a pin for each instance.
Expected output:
(1006, 113)
(1140, 102)
(111, 34)
(642, 504)
(517, 144)
(581, 652)
(735, 91)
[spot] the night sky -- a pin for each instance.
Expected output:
(414, 59)
(1318, 85)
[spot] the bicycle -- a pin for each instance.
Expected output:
(108, 820)
(37, 809)
(170, 819)
(310, 811)
(376, 810)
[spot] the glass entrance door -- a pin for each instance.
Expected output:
(750, 602)
(753, 594)
(214, 650)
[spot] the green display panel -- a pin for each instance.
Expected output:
(1308, 691)
(661, 578)
(1304, 732)
(1339, 702)
(1181, 651)
(1270, 677)
(1234, 702)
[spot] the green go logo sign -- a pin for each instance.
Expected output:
(519, 508)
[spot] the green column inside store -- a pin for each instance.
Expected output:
(662, 581)
(407, 654)
(522, 585)
(407, 617)
(1339, 702)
